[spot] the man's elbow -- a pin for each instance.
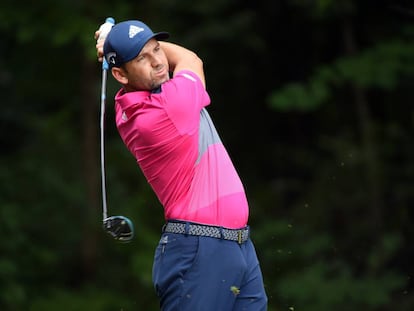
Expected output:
(197, 60)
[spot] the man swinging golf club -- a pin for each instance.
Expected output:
(205, 259)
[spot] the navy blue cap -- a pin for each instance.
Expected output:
(126, 40)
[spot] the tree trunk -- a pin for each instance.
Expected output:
(369, 150)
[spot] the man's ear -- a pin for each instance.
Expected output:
(119, 75)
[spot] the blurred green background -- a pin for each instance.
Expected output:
(314, 101)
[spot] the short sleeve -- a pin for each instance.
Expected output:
(183, 98)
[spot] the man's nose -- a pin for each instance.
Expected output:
(156, 61)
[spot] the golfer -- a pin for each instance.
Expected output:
(205, 260)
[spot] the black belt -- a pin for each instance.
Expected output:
(238, 235)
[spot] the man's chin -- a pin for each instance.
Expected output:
(158, 83)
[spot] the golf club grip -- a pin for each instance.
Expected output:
(104, 29)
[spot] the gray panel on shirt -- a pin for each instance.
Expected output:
(207, 134)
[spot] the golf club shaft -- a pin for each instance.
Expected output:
(102, 125)
(104, 30)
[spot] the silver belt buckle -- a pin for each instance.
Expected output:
(240, 236)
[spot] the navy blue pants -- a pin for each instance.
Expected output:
(193, 273)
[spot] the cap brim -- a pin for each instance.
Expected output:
(161, 35)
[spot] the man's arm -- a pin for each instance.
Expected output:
(180, 58)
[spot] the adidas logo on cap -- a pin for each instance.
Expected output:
(134, 30)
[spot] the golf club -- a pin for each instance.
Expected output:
(119, 227)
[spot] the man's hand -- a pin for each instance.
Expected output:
(99, 45)
(100, 36)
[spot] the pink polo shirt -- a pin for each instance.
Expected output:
(180, 153)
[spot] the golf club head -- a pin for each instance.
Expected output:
(119, 227)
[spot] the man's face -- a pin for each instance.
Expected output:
(148, 70)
